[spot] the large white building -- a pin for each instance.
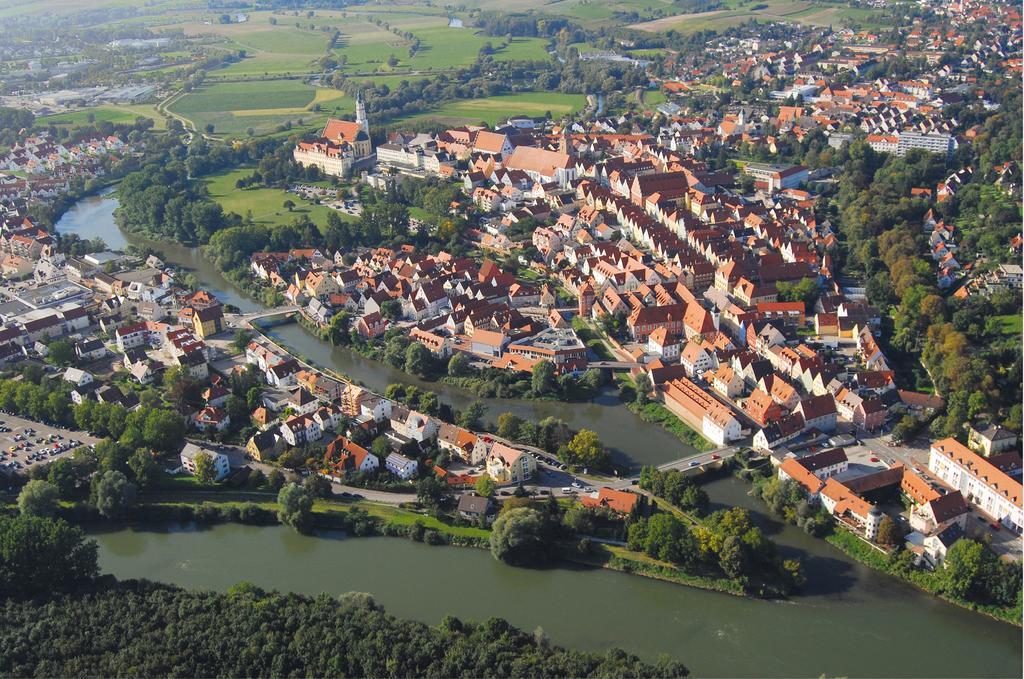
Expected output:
(341, 145)
(981, 483)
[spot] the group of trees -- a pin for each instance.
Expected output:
(972, 571)
(726, 543)
(674, 486)
(524, 532)
(41, 556)
(971, 366)
(787, 500)
(580, 449)
(123, 629)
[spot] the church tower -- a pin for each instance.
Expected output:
(361, 114)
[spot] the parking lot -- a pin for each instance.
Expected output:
(35, 443)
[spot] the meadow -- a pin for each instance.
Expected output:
(99, 114)
(265, 204)
(235, 107)
(739, 12)
(492, 110)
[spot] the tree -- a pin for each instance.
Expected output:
(509, 425)
(164, 430)
(964, 567)
(60, 352)
(432, 492)
(296, 507)
(542, 378)
(40, 555)
(288, 204)
(458, 365)
(275, 479)
(380, 447)
(518, 537)
(889, 532)
(585, 450)
(144, 468)
(38, 498)
(805, 290)
(113, 494)
(391, 309)
(485, 486)
(471, 416)
(63, 474)
(241, 340)
(417, 359)
(643, 388)
(317, 486)
(206, 473)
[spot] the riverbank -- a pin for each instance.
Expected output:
(926, 581)
(593, 608)
(359, 518)
(899, 564)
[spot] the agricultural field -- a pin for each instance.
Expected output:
(492, 110)
(233, 108)
(594, 12)
(367, 47)
(99, 114)
(266, 205)
(795, 11)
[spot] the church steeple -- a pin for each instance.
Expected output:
(361, 114)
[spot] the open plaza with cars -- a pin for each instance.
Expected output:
(24, 443)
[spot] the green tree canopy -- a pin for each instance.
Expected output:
(39, 555)
(38, 498)
(296, 507)
(518, 537)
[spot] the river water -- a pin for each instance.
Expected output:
(93, 216)
(850, 621)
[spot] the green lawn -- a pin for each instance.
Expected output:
(234, 107)
(492, 110)
(1010, 325)
(266, 205)
(101, 114)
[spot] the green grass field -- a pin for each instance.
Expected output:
(266, 205)
(233, 108)
(100, 114)
(736, 13)
(1011, 325)
(495, 109)
(367, 47)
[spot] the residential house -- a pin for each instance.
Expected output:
(401, 466)
(507, 465)
(191, 451)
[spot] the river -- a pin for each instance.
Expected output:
(93, 217)
(850, 621)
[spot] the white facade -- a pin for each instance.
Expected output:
(980, 482)
(220, 461)
(400, 466)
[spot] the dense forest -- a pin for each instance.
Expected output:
(81, 625)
